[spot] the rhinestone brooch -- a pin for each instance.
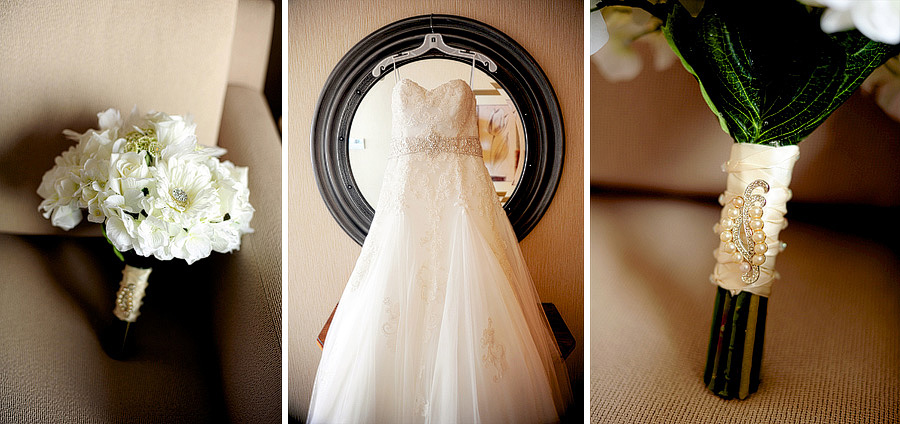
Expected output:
(742, 231)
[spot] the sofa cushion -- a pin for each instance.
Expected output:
(831, 345)
(56, 301)
(65, 61)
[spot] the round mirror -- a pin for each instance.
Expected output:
(520, 124)
(500, 127)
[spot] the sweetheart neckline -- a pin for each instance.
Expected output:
(442, 85)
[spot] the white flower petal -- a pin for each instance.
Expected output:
(109, 118)
(599, 33)
(66, 216)
(877, 19)
(118, 234)
(880, 21)
(836, 20)
(617, 64)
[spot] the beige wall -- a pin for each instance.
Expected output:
(322, 255)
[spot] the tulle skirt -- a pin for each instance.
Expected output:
(440, 322)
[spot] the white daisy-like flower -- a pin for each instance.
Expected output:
(184, 193)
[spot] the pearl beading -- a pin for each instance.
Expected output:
(742, 231)
(130, 296)
(434, 143)
(746, 164)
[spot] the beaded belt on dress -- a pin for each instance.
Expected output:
(435, 144)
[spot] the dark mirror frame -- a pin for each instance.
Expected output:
(517, 73)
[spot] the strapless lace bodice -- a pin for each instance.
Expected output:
(437, 120)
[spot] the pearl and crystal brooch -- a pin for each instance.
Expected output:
(741, 231)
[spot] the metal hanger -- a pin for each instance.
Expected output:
(433, 41)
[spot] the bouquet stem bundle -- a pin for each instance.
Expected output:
(735, 344)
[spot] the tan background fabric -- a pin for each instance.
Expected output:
(252, 40)
(64, 62)
(322, 255)
(247, 296)
(657, 133)
(56, 297)
(831, 350)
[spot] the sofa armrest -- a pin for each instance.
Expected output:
(248, 297)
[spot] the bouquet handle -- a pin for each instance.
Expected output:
(131, 292)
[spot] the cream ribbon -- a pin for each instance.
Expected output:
(130, 296)
(750, 162)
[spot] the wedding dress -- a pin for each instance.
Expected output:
(440, 321)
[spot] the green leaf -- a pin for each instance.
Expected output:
(765, 67)
(115, 251)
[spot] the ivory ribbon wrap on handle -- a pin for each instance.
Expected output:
(748, 163)
(130, 296)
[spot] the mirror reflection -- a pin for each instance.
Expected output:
(499, 126)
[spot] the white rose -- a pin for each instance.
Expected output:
(129, 175)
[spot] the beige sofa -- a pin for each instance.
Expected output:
(832, 343)
(207, 347)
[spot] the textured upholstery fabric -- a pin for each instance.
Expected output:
(831, 350)
(56, 301)
(657, 133)
(248, 299)
(252, 40)
(62, 62)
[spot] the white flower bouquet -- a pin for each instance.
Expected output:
(154, 190)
